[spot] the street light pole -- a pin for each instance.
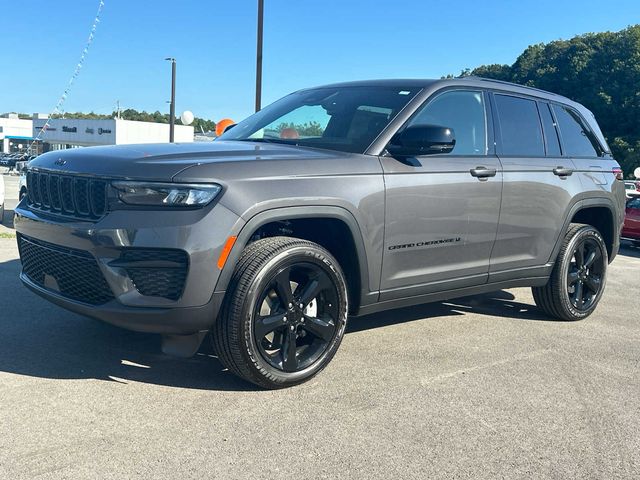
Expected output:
(259, 56)
(172, 108)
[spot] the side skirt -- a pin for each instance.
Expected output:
(450, 294)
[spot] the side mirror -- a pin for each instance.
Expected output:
(422, 140)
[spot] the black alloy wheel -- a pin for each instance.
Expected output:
(578, 277)
(284, 314)
(297, 317)
(585, 272)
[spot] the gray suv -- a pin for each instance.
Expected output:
(340, 200)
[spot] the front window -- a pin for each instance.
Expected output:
(463, 112)
(346, 119)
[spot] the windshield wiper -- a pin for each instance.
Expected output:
(263, 140)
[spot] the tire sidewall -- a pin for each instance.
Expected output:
(291, 256)
(581, 235)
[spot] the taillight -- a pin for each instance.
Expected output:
(617, 172)
(638, 186)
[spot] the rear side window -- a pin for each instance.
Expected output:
(520, 126)
(550, 131)
(463, 112)
(577, 138)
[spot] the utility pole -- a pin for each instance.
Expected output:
(259, 56)
(172, 108)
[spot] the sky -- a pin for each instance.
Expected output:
(306, 43)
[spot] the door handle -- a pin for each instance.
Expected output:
(482, 172)
(562, 172)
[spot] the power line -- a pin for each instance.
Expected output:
(76, 72)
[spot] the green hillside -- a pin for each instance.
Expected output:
(599, 70)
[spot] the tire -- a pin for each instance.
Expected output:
(274, 338)
(1, 213)
(578, 278)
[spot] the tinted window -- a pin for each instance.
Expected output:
(550, 131)
(463, 112)
(577, 139)
(346, 118)
(520, 126)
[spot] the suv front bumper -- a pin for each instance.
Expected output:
(201, 234)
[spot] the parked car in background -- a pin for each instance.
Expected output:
(632, 188)
(631, 228)
(13, 160)
(1, 199)
(22, 186)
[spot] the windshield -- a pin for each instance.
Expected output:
(347, 119)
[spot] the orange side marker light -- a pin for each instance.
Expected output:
(226, 250)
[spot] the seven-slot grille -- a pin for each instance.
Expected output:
(72, 273)
(69, 195)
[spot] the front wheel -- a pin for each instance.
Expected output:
(578, 277)
(285, 313)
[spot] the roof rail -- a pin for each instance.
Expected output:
(504, 82)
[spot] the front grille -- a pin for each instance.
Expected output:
(156, 272)
(68, 195)
(70, 272)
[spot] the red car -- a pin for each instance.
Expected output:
(631, 228)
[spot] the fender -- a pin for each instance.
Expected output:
(367, 296)
(581, 203)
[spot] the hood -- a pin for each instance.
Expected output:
(162, 162)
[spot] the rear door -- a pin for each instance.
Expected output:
(441, 220)
(539, 185)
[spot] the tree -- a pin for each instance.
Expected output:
(132, 114)
(599, 70)
(307, 129)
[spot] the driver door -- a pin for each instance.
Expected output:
(442, 209)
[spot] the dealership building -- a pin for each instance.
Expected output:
(15, 133)
(61, 133)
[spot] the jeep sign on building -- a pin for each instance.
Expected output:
(63, 133)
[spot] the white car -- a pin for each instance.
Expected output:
(632, 188)
(22, 186)
(1, 198)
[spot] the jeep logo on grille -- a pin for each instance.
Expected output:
(60, 162)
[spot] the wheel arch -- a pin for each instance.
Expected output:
(599, 213)
(325, 225)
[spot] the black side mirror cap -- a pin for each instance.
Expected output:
(422, 140)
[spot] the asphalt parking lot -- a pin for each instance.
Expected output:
(482, 387)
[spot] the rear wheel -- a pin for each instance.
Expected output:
(578, 277)
(2, 213)
(285, 313)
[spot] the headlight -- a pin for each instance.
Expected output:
(166, 194)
